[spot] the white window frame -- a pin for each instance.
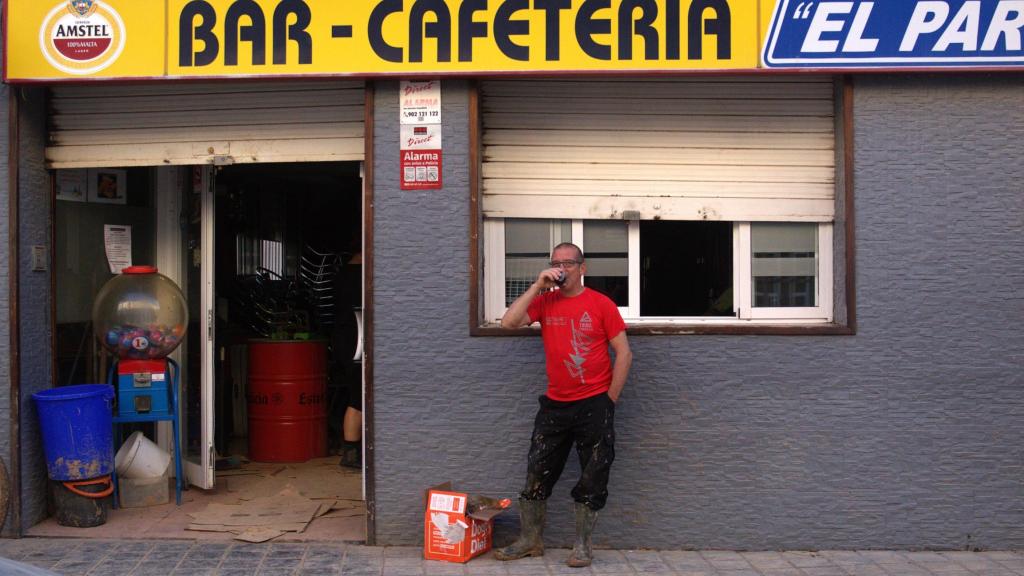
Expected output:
(494, 280)
(822, 312)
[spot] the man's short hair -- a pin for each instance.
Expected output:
(579, 253)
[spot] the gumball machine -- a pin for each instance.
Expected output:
(140, 316)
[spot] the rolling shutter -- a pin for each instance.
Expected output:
(189, 123)
(739, 149)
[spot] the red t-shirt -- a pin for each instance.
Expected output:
(576, 332)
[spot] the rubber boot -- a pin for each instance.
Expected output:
(582, 554)
(531, 535)
(351, 455)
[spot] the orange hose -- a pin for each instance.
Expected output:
(72, 486)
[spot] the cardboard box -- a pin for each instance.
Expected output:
(450, 533)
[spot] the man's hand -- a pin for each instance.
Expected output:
(517, 316)
(548, 278)
(623, 360)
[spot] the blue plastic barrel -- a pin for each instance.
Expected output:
(76, 424)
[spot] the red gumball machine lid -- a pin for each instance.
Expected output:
(139, 270)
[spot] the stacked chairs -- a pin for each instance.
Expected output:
(317, 274)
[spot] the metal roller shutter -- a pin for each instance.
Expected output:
(739, 149)
(185, 123)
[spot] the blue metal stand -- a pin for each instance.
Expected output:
(173, 371)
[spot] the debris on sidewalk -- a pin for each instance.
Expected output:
(284, 512)
(277, 498)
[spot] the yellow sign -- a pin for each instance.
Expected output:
(83, 39)
(77, 39)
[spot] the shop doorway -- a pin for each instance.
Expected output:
(268, 253)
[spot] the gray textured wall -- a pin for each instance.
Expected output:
(909, 434)
(5, 356)
(34, 298)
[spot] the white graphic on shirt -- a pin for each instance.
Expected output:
(581, 344)
(585, 323)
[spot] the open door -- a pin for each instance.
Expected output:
(185, 228)
(197, 386)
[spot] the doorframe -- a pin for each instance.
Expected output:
(14, 316)
(369, 470)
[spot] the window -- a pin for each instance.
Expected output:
(703, 204)
(674, 271)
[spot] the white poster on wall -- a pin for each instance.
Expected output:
(72, 185)
(421, 101)
(117, 242)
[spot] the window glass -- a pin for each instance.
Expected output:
(606, 245)
(528, 245)
(686, 268)
(784, 264)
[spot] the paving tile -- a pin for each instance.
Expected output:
(141, 546)
(647, 562)
(765, 559)
(491, 568)
(195, 572)
(832, 570)
(365, 551)
(682, 560)
(403, 552)
(565, 569)
(730, 563)
(906, 569)
(45, 564)
(361, 571)
(403, 571)
(287, 551)
(884, 556)
(435, 568)
(355, 564)
(865, 570)
(152, 570)
(42, 555)
(326, 571)
(72, 568)
(276, 571)
(925, 557)
(1004, 555)
(806, 559)
(720, 555)
(517, 569)
(282, 564)
(108, 568)
(779, 571)
(319, 562)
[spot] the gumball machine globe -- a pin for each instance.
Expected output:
(140, 314)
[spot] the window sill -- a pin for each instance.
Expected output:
(742, 328)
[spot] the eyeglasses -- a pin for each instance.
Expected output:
(564, 264)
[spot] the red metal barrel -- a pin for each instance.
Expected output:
(287, 400)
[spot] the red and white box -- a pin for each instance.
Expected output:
(450, 533)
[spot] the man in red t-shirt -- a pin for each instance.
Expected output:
(577, 325)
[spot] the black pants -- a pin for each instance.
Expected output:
(590, 424)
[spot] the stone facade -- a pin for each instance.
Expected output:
(909, 434)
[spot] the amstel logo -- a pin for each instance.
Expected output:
(82, 36)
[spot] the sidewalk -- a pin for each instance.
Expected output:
(163, 557)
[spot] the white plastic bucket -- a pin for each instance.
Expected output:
(139, 457)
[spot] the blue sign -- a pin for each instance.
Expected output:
(895, 33)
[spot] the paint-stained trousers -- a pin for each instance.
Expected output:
(590, 424)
